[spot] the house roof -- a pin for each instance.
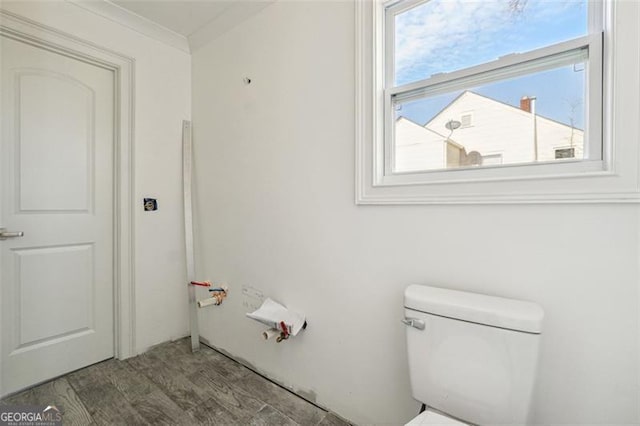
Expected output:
(421, 126)
(467, 93)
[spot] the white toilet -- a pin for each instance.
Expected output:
(472, 358)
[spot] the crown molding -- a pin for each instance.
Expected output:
(134, 22)
(234, 14)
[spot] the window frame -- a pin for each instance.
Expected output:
(510, 66)
(533, 182)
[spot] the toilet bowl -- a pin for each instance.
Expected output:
(431, 418)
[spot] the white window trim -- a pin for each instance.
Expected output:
(612, 178)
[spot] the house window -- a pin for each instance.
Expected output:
(492, 159)
(443, 86)
(565, 153)
(530, 80)
(465, 120)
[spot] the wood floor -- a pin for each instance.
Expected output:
(170, 385)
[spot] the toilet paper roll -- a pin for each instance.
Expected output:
(206, 302)
(268, 334)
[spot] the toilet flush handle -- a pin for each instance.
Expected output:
(414, 322)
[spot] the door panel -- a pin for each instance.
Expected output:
(55, 173)
(56, 169)
(68, 272)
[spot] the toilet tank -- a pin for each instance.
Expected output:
(472, 356)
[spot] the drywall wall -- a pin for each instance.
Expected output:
(275, 177)
(162, 101)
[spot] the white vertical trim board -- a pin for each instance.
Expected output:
(123, 67)
(187, 178)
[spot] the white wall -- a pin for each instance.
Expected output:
(162, 101)
(275, 177)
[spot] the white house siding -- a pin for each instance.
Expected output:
(553, 135)
(495, 129)
(417, 148)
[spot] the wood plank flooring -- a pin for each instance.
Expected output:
(169, 385)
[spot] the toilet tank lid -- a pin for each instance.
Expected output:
(494, 311)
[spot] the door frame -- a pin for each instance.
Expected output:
(25, 30)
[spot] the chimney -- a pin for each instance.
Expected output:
(525, 103)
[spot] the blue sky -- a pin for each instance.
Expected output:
(448, 35)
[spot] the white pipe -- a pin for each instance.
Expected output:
(268, 334)
(206, 302)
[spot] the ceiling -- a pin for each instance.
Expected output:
(199, 21)
(183, 17)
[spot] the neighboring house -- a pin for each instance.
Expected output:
(490, 133)
(418, 148)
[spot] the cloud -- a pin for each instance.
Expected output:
(447, 35)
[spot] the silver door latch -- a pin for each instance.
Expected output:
(414, 322)
(4, 234)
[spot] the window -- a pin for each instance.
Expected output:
(565, 153)
(491, 159)
(529, 69)
(465, 120)
(457, 82)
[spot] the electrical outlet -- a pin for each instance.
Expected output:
(150, 204)
(252, 298)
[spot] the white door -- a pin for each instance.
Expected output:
(56, 186)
